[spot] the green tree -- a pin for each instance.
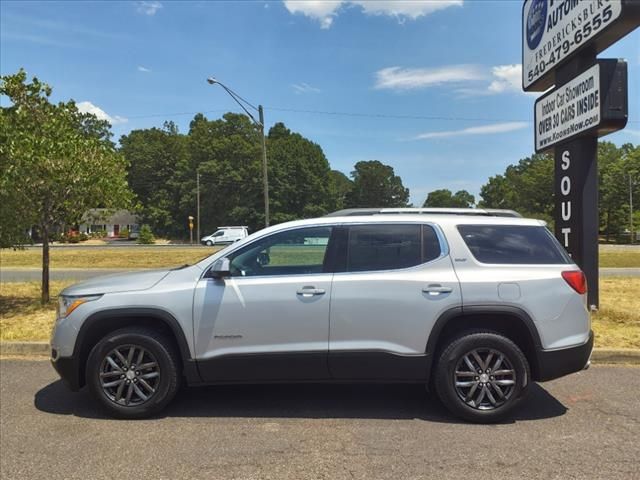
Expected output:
(445, 199)
(145, 237)
(526, 188)
(299, 176)
(158, 174)
(340, 186)
(376, 185)
(615, 166)
(56, 164)
(227, 154)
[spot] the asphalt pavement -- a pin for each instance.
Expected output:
(580, 427)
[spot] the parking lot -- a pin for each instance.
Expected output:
(582, 426)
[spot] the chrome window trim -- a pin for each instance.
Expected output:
(444, 247)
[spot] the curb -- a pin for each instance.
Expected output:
(619, 356)
(599, 356)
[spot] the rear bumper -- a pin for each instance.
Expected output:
(67, 368)
(558, 363)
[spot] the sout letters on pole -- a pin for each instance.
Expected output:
(560, 41)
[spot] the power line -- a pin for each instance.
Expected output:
(356, 114)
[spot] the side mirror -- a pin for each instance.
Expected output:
(220, 269)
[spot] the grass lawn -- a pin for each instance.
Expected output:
(117, 257)
(620, 259)
(616, 325)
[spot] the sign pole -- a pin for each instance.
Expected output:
(576, 189)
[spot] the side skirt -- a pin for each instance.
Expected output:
(314, 367)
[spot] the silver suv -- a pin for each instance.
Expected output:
(475, 307)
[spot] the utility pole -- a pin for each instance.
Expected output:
(631, 185)
(265, 179)
(198, 204)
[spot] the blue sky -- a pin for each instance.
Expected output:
(451, 66)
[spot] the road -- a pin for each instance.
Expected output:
(580, 427)
(34, 274)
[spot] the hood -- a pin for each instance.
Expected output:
(121, 282)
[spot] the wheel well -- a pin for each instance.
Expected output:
(509, 325)
(97, 330)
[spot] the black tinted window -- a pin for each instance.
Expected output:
(430, 244)
(383, 247)
(512, 244)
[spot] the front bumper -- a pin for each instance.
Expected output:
(69, 371)
(558, 363)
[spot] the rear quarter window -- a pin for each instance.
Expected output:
(513, 244)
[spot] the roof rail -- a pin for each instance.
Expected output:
(487, 212)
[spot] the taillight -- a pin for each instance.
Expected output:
(576, 280)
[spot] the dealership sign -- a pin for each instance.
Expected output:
(553, 30)
(593, 102)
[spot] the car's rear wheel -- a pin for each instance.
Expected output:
(481, 377)
(133, 372)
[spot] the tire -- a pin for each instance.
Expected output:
(209, 243)
(120, 385)
(481, 397)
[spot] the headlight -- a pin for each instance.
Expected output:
(66, 304)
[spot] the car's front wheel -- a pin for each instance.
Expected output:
(133, 372)
(209, 243)
(481, 376)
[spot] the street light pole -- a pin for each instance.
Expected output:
(242, 102)
(631, 185)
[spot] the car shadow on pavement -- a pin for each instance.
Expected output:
(299, 401)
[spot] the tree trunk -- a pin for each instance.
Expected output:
(45, 266)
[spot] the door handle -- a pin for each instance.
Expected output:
(310, 291)
(437, 289)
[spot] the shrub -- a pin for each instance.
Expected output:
(146, 236)
(124, 233)
(83, 237)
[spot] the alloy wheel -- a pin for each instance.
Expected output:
(484, 379)
(129, 375)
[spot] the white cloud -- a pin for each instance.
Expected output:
(304, 88)
(88, 107)
(148, 7)
(324, 11)
(468, 80)
(506, 78)
(320, 10)
(402, 9)
(398, 78)
(482, 130)
(143, 69)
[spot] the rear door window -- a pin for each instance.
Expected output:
(390, 246)
(513, 244)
